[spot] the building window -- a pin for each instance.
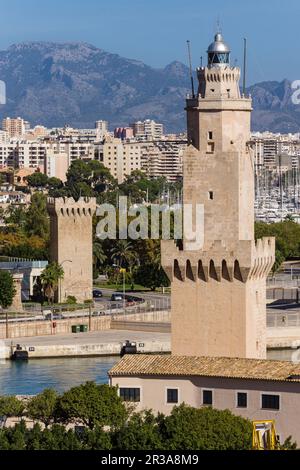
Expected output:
(210, 135)
(211, 195)
(210, 147)
(242, 400)
(270, 402)
(172, 395)
(130, 394)
(207, 397)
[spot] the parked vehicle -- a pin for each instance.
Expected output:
(55, 316)
(117, 297)
(97, 294)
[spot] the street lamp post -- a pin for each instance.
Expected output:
(123, 270)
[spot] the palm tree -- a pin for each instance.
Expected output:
(99, 257)
(126, 256)
(124, 253)
(50, 278)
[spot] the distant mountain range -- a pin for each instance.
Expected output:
(76, 83)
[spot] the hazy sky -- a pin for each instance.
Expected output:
(155, 31)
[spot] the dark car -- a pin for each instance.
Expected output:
(97, 294)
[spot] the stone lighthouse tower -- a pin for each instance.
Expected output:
(219, 288)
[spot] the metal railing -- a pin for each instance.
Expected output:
(282, 293)
(282, 319)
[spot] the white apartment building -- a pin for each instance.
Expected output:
(121, 158)
(147, 130)
(4, 137)
(101, 130)
(56, 164)
(22, 154)
(268, 146)
(163, 158)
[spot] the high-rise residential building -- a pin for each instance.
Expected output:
(15, 127)
(121, 158)
(163, 158)
(218, 275)
(4, 137)
(22, 154)
(123, 133)
(101, 129)
(147, 130)
(56, 164)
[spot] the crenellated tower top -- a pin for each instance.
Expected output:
(67, 206)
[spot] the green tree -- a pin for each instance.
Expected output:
(93, 405)
(7, 289)
(16, 437)
(37, 180)
(97, 439)
(141, 432)
(151, 275)
(42, 407)
(54, 183)
(50, 278)
(37, 220)
(99, 256)
(15, 216)
(58, 438)
(79, 172)
(101, 179)
(11, 407)
(287, 234)
(206, 428)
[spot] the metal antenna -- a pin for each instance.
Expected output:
(190, 64)
(245, 66)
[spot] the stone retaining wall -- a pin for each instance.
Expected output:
(58, 327)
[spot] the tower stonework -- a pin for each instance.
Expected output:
(219, 288)
(71, 241)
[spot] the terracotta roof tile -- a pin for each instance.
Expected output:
(165, 365)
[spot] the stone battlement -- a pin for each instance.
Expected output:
(247, 260)
(64, 206)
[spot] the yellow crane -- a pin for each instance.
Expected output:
(264, 435)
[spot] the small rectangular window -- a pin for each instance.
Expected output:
(211, 195)
(270, 402)
(210, 147)
(242, 400)
(172, 395)
(130, 394)
(210, 135)
(207, 398)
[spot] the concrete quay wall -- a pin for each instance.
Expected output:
(43, 351)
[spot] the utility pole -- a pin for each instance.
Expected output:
(123, 271)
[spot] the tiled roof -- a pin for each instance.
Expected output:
(165, 365)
